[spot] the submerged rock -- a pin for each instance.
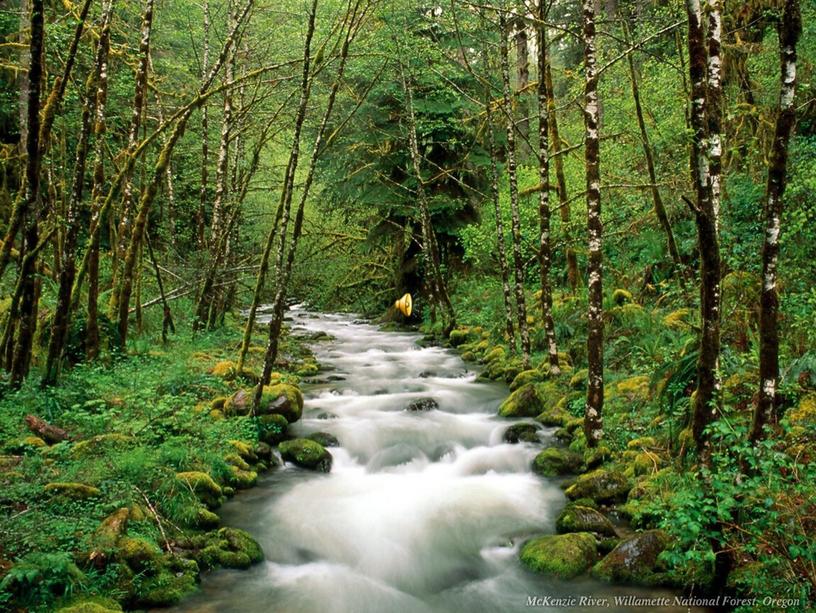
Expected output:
(324, 438)
(555, 461)
(635, 560)
(600, 485)
(307, 454)
(577, 518)
(422, 404)
(564, 556)
(518, 433)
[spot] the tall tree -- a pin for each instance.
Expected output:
(515, 222)
(544, 248)
(593, 420)
(790, 29)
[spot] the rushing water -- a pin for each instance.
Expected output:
(423, 511)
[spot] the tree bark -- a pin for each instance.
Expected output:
(790, 29)
(205, 136)
(28, 297)
(522, 82)
(515, 225)
(593, 414)
(92, 326)
(561, 181)
(545, 250)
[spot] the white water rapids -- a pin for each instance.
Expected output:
(423, 511)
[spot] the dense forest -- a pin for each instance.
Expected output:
(607, 206)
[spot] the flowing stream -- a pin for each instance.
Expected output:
(423, 511)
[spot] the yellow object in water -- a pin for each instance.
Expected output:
(404, 305)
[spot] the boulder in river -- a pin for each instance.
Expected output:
(555, 461)
(600, 485)
(324, 438)
(635, 560)
(524, 402)
(307, 454)
(562, 555)
(282, 399)
(521, 433)
(272, 428)
(577, 518)
(422, 404)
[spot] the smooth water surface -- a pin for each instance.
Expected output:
(423, 511)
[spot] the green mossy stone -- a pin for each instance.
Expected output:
(307, 454)
(635, 560)
(242, 479)
(524, 402)
(554, 461)
(521, 433)
(203, 486)
(101, 444)
(74, 491)
(532, 375)
(166, 588)
(494, 355)
(272, 428)
(237, 461)
(241, 542)
(553, 417)
(308, 368)
(138, 553)
(578, 380)
(564, 556)
(324, 438)
(576, 518)
(460, 336)
(282, 399)
(206, 519)
(600, 485)
(95, 604)
(621, 296)
(244, 449)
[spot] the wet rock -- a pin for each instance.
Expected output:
(576, 518)
(326, 415)
(282, 399)
(600, 485)
(422, 404)
(555, 461)
(524, 402)
(564, 556)
(324, 438)
(307, 454)
(333, 378)
(521, 433)
(635, 560)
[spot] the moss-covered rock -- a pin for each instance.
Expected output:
(227, 547)
(245, 450)
(646, 463)
(205, 519)
(175, 579)
(524, 402)
(553, 417)
(532, 375)
(203, 486)
(804, 415)
(240, 403)
(101, 444)
(555, 461)
(282, 399)
(621, 296)
(564, 556)
(241, 479)
(600, 485)
(633, 389)
(75, 491)
(237, 461)
(518, 433)
(635, 560)
(107, 534)
(272, 428)
(577, 518)
(139, 554)
(494, 355)
(307, 454)
(308, 368)
(226, 370)
(578, 380)
(460, 336)
(96, 604)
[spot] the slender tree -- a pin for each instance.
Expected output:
(593, 419)
(790, 29)
(545, 249)
(515, 223)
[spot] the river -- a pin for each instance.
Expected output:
(423, 511)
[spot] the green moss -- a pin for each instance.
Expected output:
(600, 485)
(203, 486)
(92, 605)
(139, 554)
(460, 336)
(282, 399)
(524, 402)
(495, 354)
(241, 479)
(564, 556)
(306, 453)
(577, 518)
(101, 444)
(621, 296)
(526, 376)
(272, 428)
(76, 491)
(578, 380)
(635, 560)
(555, 461)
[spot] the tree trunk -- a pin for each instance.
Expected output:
(561, 181)
(515, 225)
(92, 327)
(28, 296)
(500, 245)
(119, 248)
(205, 136)
(706, 151)
(593, 415)
(790, 29)
(284, 209)
(522, 82)
(545, 251)
(660, 210)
